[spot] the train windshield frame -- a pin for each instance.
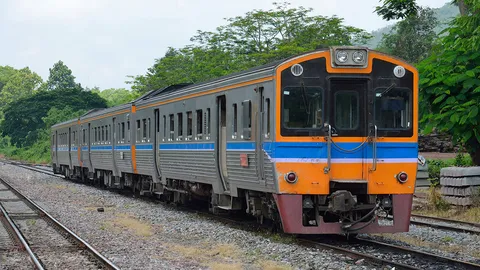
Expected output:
(393, 111)
(302, 110)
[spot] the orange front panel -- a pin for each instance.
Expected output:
(312, 180)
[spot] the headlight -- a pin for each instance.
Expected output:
(342, 56)
(358, 57)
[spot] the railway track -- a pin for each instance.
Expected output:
(375, 252)
(49, 244)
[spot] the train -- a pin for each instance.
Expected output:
(325, 142)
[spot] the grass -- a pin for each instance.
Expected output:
(129, 223)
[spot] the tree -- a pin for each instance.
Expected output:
(17, 84)
(61, 78)
(24, 117)
(116, 96)
(412, 38)
(246, 41)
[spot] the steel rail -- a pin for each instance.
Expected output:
(107, 263)
(24, 243)
(463, 264)
(448, 220)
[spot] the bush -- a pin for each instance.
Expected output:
(436, 201)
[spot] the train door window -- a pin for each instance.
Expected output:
(189, 126)
(164, 128)
(84, 131)
(234, 122)
(247, 119)
(172, 128)
(128, 132)
(138, 131)
(122, 132)
(119, 132)
(107, 139)
(199, 124)
(95, 132)
(346, 110)
(267, 120)
(149, 136)
(180, 127)
(207, 124)
(73, 142)
(144, 130)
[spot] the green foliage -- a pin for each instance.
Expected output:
(411, 39)
(61, 78)
(436, 201)
(246, 41)
(450, 82)
(116, 96)
(16, 84)
(396, 9)
(434, 167)
(24, 118)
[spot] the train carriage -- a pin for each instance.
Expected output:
(322, 143)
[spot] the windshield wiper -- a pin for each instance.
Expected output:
(388, 89)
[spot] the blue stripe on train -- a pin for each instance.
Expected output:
(280, 150)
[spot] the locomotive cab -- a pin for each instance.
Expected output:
(346, 150)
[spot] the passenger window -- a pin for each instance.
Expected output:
(199, 124)
(346, 110)
(267, 121)
(247, 119)
(234, 122)
(123, 132)
(107, 139)
(189, 126)
(172, 127)
(103, 134)
(149, 130)
(180, 126)
(95, 132)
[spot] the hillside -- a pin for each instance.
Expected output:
(443, 14)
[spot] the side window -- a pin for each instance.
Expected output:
(172, 128)
(189, 126)
(107, 133)
(95, 135)
(199, 124)
(149, 129)
(180, 126)
(123, 132)
(247, 120)
(234, 122)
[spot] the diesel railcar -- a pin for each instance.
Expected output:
(320, 143)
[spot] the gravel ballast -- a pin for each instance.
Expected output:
(140, 234)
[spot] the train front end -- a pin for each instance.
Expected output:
(346, 149)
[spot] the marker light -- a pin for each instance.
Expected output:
(342, 56)
(402, 177)
(291, 177)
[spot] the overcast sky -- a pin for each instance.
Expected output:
(103, 41)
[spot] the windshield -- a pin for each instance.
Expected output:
(302, 107)
(393, 108)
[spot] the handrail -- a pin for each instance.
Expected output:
(326, 169)
(374, 150)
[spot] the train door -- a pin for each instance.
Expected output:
(113, 139)
(156, 141)
(259, 138)
(348, 120)
(70, 147)
(55, 144)
(221, 144)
